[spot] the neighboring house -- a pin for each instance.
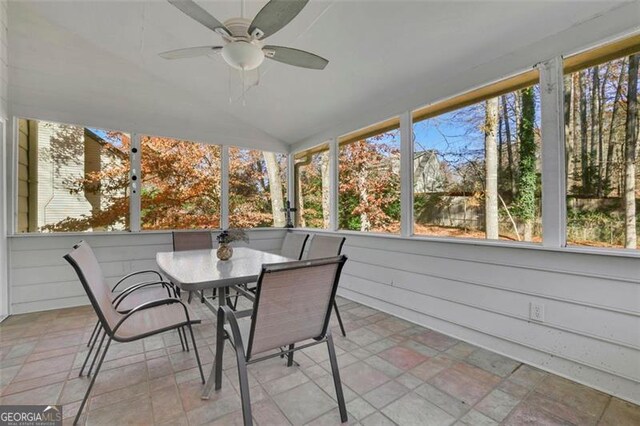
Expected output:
(427, 173)
(49, 163)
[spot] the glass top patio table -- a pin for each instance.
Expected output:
(195, 270)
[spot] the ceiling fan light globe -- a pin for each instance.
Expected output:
(243, 55)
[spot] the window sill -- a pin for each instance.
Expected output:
(120, 233)
(521, 245)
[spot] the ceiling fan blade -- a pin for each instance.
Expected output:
(190, 52)
(295, 57)
(191, 9)
(275, 15)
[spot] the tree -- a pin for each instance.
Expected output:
(584, 141)
(251, 202)
(275, 189)
(491, 169)
(527, 178)
(568, 129)
(505, 113)
(326, 179)
(631, 135)
(179, 184)
(370, 184)
(312, 180)
(612, 127)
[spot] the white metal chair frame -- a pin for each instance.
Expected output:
(225, 314)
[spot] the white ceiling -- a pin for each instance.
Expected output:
(97, 60)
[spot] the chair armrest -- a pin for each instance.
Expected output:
(242, 314)
(152, 304)
(225, 314)
(123, 295)
(148, 271)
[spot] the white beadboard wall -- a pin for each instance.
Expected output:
(40, 279)
(481, 294)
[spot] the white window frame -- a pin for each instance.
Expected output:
(554, 192)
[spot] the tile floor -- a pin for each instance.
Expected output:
(393, 372)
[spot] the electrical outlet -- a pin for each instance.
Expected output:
(536, 311)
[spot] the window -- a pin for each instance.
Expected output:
(369, 179)
(312, 179)
(257, 188)
(71, 178)
(476, 164)
(180, 184)
(601, 130)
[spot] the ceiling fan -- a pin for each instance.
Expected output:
(244, 48)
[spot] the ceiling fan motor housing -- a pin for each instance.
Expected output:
(238, 27)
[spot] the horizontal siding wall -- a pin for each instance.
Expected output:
(40, 279)
(482, 293)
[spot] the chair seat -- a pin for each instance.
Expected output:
(143, 295)
(244, 325)
(152, 320)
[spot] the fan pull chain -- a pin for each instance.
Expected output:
(244, 91)
(230, 85)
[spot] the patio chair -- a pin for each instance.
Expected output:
(200, 240)
(133, 295)
(147, 319)
(325, 246)
(293, 304)
(292, 247)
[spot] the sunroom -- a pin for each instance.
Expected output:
(295, 212)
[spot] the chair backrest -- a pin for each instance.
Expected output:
(293, 245)
(200, 240)
(322, 246)
(293, 303)
(84, 261)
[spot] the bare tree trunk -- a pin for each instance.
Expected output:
(326, 178)
(584, 141)
(577, 151)
(601, 101)
(491, 169)
(527, 177)
(568, 129)
(507, 129)
(593, 118)
(363, 194)
(631, 135)
(611, 143)
(275, 187)
(500, 145)
(300, 220)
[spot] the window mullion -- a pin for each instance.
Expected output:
(135, 175)
(406, 175)
(333, 185)
(553, 153)
(291, 188)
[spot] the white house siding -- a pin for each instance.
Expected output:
(55, 202)
(481, 294)
(40, 279)
(23, 176)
